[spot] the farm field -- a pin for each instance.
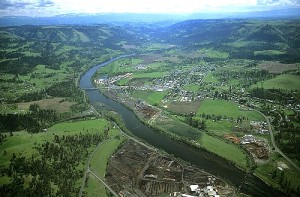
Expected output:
(224, 149)
(277, 67)
(226, 108)
(284, 82)
(183, 107)
(219, 127)
(151, 97)
(57, 104)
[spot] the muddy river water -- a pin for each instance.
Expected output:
(207, 161)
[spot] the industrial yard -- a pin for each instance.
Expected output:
(135, 170)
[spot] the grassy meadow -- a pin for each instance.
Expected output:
(224, 149)
(226, 108)
(23, 143)
(284, 82)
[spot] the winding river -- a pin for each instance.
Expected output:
(207, 161)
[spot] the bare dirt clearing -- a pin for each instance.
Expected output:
(277, 67)
(57, 104)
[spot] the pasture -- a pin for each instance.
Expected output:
(224, 149)
(183, 107)
(284, 82)
(226, 108)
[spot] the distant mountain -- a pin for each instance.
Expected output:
(259, 39)
(267, 33)
(110, 36)
(91, 19)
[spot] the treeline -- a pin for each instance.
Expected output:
(288, 139)
(55, 172)
(197, 123)
(33, 121)
(246, 78)
(66, 89)
(278, 95)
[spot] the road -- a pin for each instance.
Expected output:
(274, 143)
(88, 170)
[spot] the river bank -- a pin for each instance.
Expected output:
(205, 160)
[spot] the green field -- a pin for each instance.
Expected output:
(151, 97)
(209, 78)
(98, 165)
(224, 149)
(183, 107)
(219, 127)
(226, 108)
(156, 97)
(211, 53)
(121, 66)
(149, 75)
(181, 129)
(94, 187)
(191, 87)
(285, 82)
(290, 174)
(22, 143)
(106, 149)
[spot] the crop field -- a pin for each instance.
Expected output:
(285, 82)
(225, 149)
(184, 107)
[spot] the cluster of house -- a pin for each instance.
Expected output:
(259, 127)
(111, 80)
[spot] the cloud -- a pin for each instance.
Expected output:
(56, 7)
(46, 3)
(19, 4)
(13, 4)
(278, 2)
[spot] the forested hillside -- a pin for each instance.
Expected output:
(257, 39)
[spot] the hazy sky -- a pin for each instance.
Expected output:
(55, 7)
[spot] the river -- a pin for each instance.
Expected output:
(201, 158)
